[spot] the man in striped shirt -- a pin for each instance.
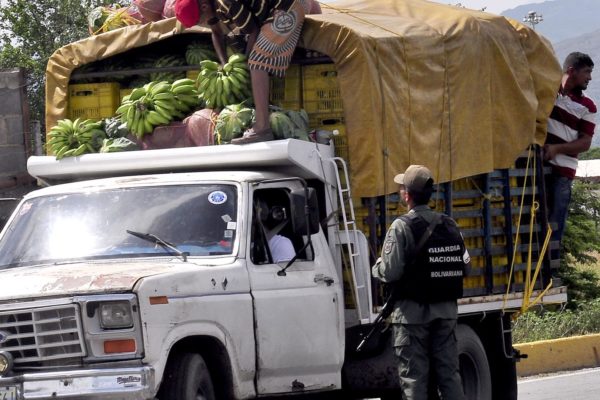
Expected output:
(570, 129)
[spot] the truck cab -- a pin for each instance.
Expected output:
(160, 281)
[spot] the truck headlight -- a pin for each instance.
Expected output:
(116, 315)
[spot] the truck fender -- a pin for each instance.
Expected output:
(214, 345)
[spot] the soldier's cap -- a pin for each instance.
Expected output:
(415, 179)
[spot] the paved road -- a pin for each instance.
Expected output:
(578, 385)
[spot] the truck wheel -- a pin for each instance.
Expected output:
(474, 366)
(187, 378)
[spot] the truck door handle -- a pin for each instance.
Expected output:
(322, 278)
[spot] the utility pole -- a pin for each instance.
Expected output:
(533, 18)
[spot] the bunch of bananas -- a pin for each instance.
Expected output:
(74, 138)
(222, 86)
(196, 52)
(186, 96)
(288, 124)
(169, 76)
(157, 103)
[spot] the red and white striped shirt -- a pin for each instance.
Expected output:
(572, 115)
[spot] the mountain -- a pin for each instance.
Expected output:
(588, 43)
(562, 19)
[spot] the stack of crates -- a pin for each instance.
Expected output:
(315, 89)
(322, 100)
(486, 208)
(192, 74)
(94, 100)
(287, 92)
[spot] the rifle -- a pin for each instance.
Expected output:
(385, 312)
(388, 307)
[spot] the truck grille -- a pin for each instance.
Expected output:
(42, 334)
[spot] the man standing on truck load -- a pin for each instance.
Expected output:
(423, 260)
(272, 27)
(570, 129)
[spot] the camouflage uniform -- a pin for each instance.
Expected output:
(424, 334)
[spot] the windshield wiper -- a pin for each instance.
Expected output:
(156, 240)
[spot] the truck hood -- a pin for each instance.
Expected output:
(81, 278)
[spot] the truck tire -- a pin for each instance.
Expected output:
(187, 378)
(474, 366)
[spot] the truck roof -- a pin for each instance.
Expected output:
(181, 178)
(290, 156)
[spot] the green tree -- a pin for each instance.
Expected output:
(591, 154)
(30, 31)
(581, 238)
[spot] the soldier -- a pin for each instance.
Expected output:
(423, 260)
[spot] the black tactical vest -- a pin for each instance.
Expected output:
(435, 273)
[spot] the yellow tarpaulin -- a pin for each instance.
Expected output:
(460, 91)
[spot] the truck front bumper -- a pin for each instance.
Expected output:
(111, 383)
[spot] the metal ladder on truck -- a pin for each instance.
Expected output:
(349, 239)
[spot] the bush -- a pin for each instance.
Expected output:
(579, 271)
(580, 241)
(537, 325)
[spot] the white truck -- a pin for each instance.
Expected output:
(147, 275)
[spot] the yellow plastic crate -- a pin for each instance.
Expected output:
(320, 89)
(332, 122)
(94, 100)
(287, 92)
(192, 74)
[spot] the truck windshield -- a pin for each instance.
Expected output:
(197, 219)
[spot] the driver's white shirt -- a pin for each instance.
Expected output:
(282, 248)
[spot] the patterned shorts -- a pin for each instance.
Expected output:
(277, 40)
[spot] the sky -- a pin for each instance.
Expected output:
(492, 6)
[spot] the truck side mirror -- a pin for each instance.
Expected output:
(299, 202)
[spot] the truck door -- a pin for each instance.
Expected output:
(298, 316)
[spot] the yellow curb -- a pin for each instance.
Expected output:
(559, 355)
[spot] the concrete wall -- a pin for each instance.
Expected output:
(547, 356)
(15, 143)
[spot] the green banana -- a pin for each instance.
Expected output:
(80, 150)
(148, 87)
(209, 64)
(182, 82)
(165, 104)
(66, 124)
(155, 118)
(161, 87)
(184, 89)
(163, 112)
(137, 93)
(61, 152)
(167, 96)
(237, 58)
(123, 108)
(147, 126)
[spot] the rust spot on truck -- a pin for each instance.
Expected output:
(77, 278)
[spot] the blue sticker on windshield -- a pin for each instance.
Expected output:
(217, 197)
